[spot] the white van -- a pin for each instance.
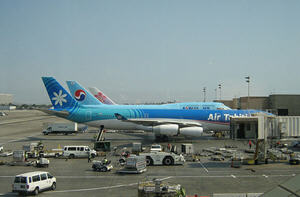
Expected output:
(33, 182)
(78, 151)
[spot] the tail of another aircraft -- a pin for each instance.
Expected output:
(59, 97)
(101, 96)
(81, 95)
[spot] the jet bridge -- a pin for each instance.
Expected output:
(258, 128)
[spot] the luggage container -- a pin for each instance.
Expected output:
(136, 147)
(19, 156)
(135, 165)
(187, 148)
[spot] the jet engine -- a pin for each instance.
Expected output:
(191, 131)
(166, 129)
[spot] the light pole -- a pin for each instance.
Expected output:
(220, 86)
(204, 92)
(248, 81)
(216, 95)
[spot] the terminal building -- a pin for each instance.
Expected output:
(278, 104)
(6, 101)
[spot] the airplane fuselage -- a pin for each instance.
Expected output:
(217, 120)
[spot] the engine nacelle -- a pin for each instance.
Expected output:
(191, 131)
(166, 129)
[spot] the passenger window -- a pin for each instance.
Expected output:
(72, 148)
(81, 149)
(20, 180)
(36, 178)
(23, 179)
(49, 176)
(87, 149)
(29, 179)
(65, 148)
(17, 180)
(43, 177)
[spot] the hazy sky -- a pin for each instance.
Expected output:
(150, 51)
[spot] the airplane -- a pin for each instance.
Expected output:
(160, 119)
(100, 96)
(75, 90)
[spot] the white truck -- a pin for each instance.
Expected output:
(62, 127)
(163, 158)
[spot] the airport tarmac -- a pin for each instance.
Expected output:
(76, 178)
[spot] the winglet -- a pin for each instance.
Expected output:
(120, 117)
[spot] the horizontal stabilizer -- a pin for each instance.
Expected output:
(62, 114)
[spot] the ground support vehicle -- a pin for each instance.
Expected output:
(134, 165)
(4, 154)
(155, 147)
(32, 150)
(101, 166)
(42, 163)
(78, 151)
(294, 159)
(65, 128)
(159, 188)
(57, 152)
(102, 146)
(33, 182)
(163, 158)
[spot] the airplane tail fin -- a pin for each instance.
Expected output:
(59, 97)
(101, 96)
(81, 95)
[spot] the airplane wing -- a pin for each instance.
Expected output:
(161, 121)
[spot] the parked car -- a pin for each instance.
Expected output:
(33, 182)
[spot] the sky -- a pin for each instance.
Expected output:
(139, 51)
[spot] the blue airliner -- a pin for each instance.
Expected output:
(77, 90)
(163, 120)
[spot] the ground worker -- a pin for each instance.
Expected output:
(169, 147)
(89, 157)
(250, 144)
(105, 161)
